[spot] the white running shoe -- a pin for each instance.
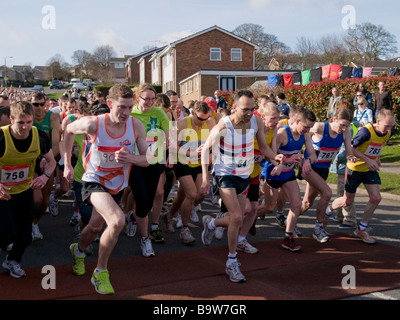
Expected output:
(147, 248)
(15, 269)
(233, 271)
(36, 234)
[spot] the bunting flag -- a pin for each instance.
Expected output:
(347, 72)
(272, 81)
(357, 72)
(288, 79)
(316, 75)
(335, 69)
(330, 71)
(326, 71)
(305, 77)
(367, 71)
(297, 78)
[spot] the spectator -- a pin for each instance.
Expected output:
(383, 99)
(221, 103)
(333, 102)
(365, 93)
(283, 106)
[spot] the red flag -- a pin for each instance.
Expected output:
(288, 79)
(326, 70)
(335, 69)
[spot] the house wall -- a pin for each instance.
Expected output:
(193, 54)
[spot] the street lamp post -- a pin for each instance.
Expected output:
(5, 70)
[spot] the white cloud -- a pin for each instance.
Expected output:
(110, 37)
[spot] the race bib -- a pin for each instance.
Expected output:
(374, 150)
(106, 159)
(327, 154)
(242, 163)
(14, 175)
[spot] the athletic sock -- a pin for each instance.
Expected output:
(362, 226)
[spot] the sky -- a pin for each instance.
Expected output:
(32, 32)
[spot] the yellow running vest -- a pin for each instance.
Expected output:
(258, 155)
(371, 148)
(17, 168)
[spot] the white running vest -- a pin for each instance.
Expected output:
(99, 156)
(236, 151)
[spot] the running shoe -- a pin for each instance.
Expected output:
(53, 205)
(280, 219)
(179, 221)
(296, 232)
(36, 234)
(156, 236)
(130, 224)
(207, 234)
(186, 236)
(246, 247)
(364, 235)
(14, 268)
(168, 225)
(290, 244)
(101, 282)
(147, 248)
(193, 216)
(320, 235)
(233, 271)
(78, 266)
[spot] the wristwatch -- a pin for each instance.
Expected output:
(48, 175)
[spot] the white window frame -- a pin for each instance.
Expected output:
(215, 51)
(235, 51)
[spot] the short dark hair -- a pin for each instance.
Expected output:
(241, 93)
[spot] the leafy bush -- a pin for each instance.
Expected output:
(315, 95)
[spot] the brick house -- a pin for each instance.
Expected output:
(138, 67)
(212, 49)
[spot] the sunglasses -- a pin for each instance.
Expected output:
(201, 119)
(37, 104)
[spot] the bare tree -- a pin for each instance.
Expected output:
(333, 49)
(58, 68)
(82, 58)
(370, 42)
(307, 51)
(269, 46)
(100, 65)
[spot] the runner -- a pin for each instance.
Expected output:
(192, 132)
(50, 123)
(327, 138)
(20, 145)
(367, 146)
(232, 142)
(290, 140)
(144, 181)
(108, 151)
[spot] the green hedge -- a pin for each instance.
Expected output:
(315, 95)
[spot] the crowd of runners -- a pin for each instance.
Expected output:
(121, 155)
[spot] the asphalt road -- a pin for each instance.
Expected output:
(58, 235)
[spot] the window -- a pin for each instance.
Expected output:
(119, 65)
(227, 84)
(215, 54)
(236, 54)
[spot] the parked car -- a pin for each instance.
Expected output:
(56, 84)
(36, 88)
(80, 86)
(75, 80)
